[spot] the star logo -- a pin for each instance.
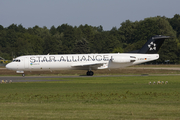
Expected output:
(152, 46)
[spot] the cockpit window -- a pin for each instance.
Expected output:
(16, 60)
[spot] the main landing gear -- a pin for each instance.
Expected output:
(90, 73)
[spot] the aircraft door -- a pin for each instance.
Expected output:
(26, 63)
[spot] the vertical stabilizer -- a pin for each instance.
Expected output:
(153, 45)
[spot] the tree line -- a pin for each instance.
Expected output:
(16, 40)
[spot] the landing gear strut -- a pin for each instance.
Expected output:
(90, 73)
(23, 74)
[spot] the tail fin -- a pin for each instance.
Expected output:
(153, 45)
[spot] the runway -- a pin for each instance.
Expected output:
(41, 78)
(32, 78)
(46, 78)
(156, 68)
(52, 78)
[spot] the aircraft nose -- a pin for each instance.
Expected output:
(9, 66)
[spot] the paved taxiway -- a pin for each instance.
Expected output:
(42, 78)
(51, 78)
(31, 78)
(156, 68)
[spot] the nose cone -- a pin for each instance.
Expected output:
(10, 66)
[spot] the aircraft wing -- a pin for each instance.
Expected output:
(87, 65)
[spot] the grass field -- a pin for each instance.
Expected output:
(92, 98)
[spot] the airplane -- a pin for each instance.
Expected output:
(88, 62)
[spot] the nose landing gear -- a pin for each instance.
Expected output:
(90, 73)
(23, 74)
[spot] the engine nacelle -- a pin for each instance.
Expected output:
(123, 59)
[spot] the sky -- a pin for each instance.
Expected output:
(107, 13)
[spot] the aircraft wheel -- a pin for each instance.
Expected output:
(90, 73)
(87, 73)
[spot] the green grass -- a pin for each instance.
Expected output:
(92, 98)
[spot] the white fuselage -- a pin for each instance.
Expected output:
(78, 61)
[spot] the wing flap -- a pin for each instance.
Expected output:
(86, 64)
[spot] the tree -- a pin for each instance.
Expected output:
(175, 23)
(66, 39)
(53, 30)
(100, 28)
(1, 27)
(127, 31)
(51, 45)
(81, 46)
(118, 50)
(168, 52)
(98, 43)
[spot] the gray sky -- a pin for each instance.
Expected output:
(108, 13)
